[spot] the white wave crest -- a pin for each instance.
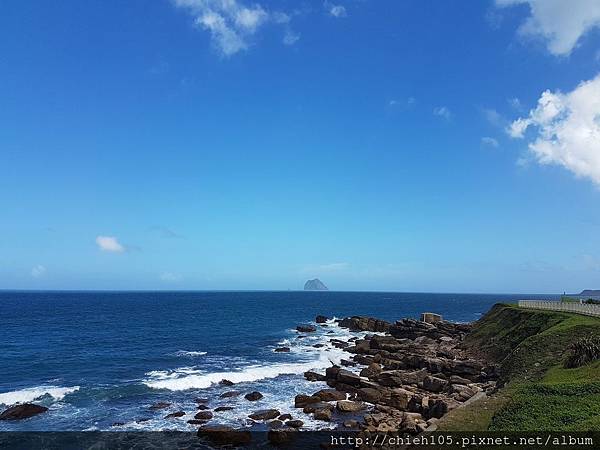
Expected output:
(189, 354)
(178, 380)
(34, 393)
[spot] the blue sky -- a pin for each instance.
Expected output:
(410, 145)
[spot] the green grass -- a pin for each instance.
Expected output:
(540, 394)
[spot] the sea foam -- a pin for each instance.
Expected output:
(35, 393)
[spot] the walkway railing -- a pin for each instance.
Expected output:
(579, 308)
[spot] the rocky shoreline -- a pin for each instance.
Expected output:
(400, 377)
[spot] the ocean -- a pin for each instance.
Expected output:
(100, 360)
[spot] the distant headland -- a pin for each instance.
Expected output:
(315, 285)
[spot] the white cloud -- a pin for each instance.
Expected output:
(515, 103)
(38, 271)
(336, 10)
(568, 129)
(290, 38)
(231, 23)
(489, 142)
(561, 23)
(442, 111)
(109, 244)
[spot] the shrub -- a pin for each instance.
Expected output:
(583, 351)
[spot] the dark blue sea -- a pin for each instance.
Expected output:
(99, 360)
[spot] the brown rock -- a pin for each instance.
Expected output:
(321, 319)
(322, 414)
(306, 328)
(229, 394)
(253, 396)
(226, 382)
(276, 423)
(351, 423)
(313, 376)
(223, 408)
(349, 406)
(294, 423)
(329, 395)
(282, 350)
(433, 384)
(175, 414)
(24, 411)
(301, 400)
(203, 415)
(285, 417)
(265, 414)
(277, 437)
(372, 371)
(316, 406)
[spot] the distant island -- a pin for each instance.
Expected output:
(315, 285)
(590, 292)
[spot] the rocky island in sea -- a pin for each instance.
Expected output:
(315, 285)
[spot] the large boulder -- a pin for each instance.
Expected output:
(313, 376)
(24, 411)
(321, 319)
(349, 406)
(265, 414)
(372, 371)
(330, 395)
(301, 400)
(358, 323)
(323, 414)
(434, 384)
(347, 377)
(316, 407)
(203, 415)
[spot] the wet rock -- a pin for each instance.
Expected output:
(331, 373)
(282, 350)
(203, 415)
(223, 408)
(329, 395)
(118, 424)
(276, 423)
(24, 411)
(225, 382)
(351, 423)
(313, 376)
(306, 328)
(294, 423)
(349, 406)
(317, 406)
(319, 345)
(224, 435)
(160, 405)
(265, 414)
(253, 396)
(301, 400)
(277, 437)
(321, 319)
(323, 414)
(202, 400)
(347, 363)
(175, 414)
(202, 407)
(230, 394)
(196, 422)
(285, 417)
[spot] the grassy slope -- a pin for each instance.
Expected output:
(530, 347)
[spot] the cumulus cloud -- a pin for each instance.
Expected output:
(560, 23)
(231, 23)
(442, 111)
(567, 129)
(38, 271)
(170, 277)
(489, 142)
(109, 244)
